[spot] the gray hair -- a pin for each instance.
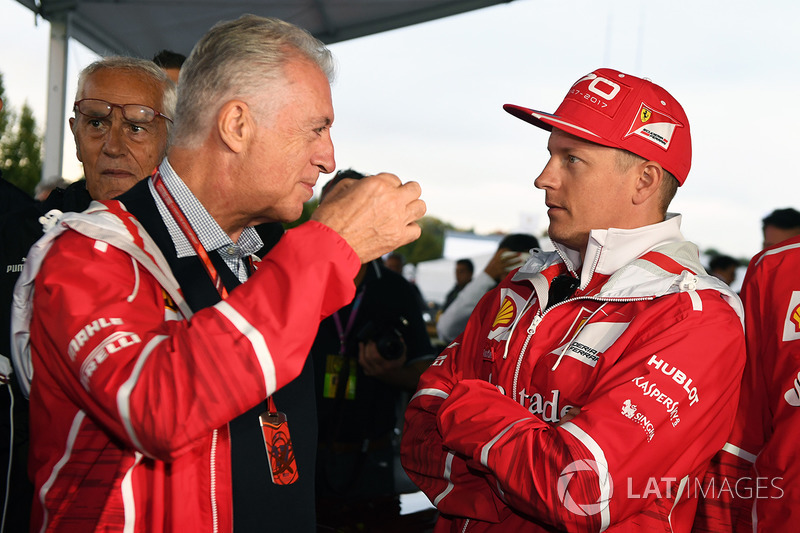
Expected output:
(134, 65)
(237, 59)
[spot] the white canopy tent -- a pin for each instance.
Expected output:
(143, 27)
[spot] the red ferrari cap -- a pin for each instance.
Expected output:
(622, 111)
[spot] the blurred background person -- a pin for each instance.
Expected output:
(512, 252)
(464, 270)
(171, 62)
(365, 356)
(760, 456)
(780, 225)
(723, 267)
(395, 262)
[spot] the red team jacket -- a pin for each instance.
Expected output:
(649, 349)
(755, 477)
(122, 438)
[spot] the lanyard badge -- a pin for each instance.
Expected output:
(275, 429)
(278, 443)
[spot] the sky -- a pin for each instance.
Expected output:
(425, 102)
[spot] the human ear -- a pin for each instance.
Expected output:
(648, 182)
(235, 125)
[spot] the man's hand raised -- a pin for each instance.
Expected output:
(375, 215)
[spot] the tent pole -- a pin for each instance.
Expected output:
(56, 101)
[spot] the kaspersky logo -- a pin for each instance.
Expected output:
(597, 473)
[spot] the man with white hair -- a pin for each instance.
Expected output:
(163, 391)
(123, 111)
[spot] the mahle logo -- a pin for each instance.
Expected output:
(601, 475)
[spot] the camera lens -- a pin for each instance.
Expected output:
(391, 345)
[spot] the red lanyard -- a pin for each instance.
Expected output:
(189, 233)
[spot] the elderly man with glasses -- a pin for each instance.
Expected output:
(123, 113)
(122, 118)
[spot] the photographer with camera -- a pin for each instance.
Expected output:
(365, 356)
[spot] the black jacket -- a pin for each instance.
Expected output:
(19, 230)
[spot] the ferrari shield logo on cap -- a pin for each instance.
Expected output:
(656, 127)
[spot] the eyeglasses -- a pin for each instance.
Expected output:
(136, 113)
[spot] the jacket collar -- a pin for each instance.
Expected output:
(616, 256)
(610, 249)
(629, 273)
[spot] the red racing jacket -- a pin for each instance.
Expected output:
(648, 352)
(132, 393)
(754, 482)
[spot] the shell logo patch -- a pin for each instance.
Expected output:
(791, 326)
(171, 311)
(169, 303)
(511, 304)
(506, 313)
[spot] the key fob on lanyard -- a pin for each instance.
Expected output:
(280, 451)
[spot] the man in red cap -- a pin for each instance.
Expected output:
(590, 388)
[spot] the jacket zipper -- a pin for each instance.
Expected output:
(213, 483)
(537, 319)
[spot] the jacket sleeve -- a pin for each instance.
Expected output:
(100, 331)
(603, 466)
(449, 480)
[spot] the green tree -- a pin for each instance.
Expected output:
(22, 152)
(4, 113)
(430, 244)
